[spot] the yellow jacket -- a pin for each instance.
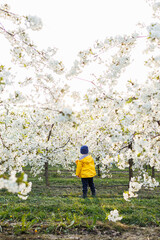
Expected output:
(85, 167)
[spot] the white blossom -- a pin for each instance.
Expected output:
(154, 30)
(114, 216)
(34, 22)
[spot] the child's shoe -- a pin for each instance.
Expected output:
(93, 194)
(84, 196)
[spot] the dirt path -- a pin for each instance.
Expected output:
(134, 234)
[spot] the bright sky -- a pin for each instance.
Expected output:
(73, 25)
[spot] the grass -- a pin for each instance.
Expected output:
(59, 208)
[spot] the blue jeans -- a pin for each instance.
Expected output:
(85, 183)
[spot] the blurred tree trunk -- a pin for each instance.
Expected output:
(153, 172)
(130, 161)
(46, 166)
(130, 168)
(46, 173)
(99, 173)
(98, 167)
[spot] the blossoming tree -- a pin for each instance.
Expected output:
(24, 126)
(122, 127)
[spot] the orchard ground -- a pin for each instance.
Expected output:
(58, 212)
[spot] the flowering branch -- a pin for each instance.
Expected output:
(27, 44)
(82, 79)
(62, 145)
(8, 12)
(4, 145)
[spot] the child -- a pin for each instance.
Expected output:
(86, 171)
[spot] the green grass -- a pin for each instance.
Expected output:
(59, 207)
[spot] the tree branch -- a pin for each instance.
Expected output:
(62, 145)
(4, 145)
(9, 12)
(158, 135)
(82, 79)
(49, 135)
(29, 45)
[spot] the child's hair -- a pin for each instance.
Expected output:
(84, 150)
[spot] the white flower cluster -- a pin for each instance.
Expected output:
(34, 22)
(93, 55)
(4, 7)
(154, 30)
(24, 189)
(150, 182)
(137, 183)
(156, 9)
(121, 161)
(56, 66)
(5, 13)
(156, 6)
(5, 78)
(114, 216)
(134, 187)
(23, 51)
(13, 186)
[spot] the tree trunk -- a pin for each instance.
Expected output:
(98, 166)
(153, 172)
(46, 163)
(46, 174)
(130, 161)
(99, 173)
(130, 168)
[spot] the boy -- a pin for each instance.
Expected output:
(86, 171)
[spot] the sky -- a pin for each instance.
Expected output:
(74, 25)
